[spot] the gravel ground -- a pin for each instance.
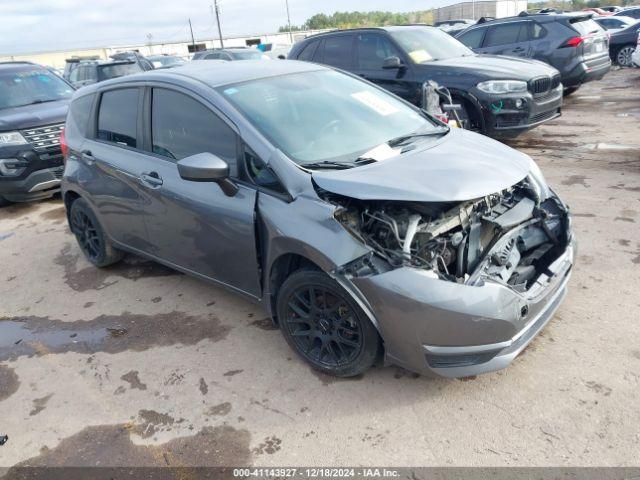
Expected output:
(139, 365)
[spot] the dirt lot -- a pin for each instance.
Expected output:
(140, 365)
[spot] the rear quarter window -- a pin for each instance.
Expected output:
(307, 52)
(473, 38)
(78, 118)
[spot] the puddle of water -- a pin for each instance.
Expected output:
(28, 336)
(16, 333)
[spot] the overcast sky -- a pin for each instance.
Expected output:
(37, 25)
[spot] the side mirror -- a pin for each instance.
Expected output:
(391, 63)
(207, 167)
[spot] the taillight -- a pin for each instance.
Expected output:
(63, 145)
(574, 42)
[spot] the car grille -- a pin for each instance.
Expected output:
(44, 139)
(542, 116)
(57, 172)
(542, 85)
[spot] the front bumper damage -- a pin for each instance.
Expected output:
(447, 329)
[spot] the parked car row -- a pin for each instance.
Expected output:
(492, 93)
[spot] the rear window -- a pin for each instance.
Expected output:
(118, 70)
(586, 26)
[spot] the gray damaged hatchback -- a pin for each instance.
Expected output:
(366, 228)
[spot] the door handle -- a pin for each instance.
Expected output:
(518, 49)
(87, 157)
(151, 179)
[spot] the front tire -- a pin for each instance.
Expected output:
(90, 235)
(4, 202)
(570, 90)
(324, 325)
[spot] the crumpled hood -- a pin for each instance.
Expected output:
(30, 116)
(460, 166)
(496, 67)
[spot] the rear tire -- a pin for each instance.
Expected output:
(325, 326)
(93, 241)
(4, 202)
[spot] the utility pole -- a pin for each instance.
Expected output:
(193, 40)
(217, 10)
(289, 21)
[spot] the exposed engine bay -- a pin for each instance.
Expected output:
(510, 236)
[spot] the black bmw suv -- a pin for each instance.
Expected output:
(33, 107)
(500, 96)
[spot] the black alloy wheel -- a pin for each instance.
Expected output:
(325, 326)
(87, 235)
(93, 242)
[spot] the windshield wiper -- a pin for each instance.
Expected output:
(328, 164)
(403, 138)
(35, 102)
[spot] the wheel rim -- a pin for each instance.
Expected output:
(86, 234)
(323, 326)
(624, 56)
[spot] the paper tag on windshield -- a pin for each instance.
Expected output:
(381, 152)
(420, 56)
(375, 103)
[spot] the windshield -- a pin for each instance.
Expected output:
(425, 44)
(116, 70)
(251, 55)
(324, 115)
(25, 87)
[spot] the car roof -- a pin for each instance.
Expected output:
(539, 17)
(217, 73)
(20, 66)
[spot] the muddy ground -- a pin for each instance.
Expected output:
(138, 365)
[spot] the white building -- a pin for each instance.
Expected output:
(475, 10)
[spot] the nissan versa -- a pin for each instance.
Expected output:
(365, 227)
(499, 96)
(33, 106)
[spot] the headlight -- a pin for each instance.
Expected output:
(12, 138)
(503, 86)
(537, 181)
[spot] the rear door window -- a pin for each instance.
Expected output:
(338, 51)
(505, 34)
(473, 38)
(118, 117)
(181, 126)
